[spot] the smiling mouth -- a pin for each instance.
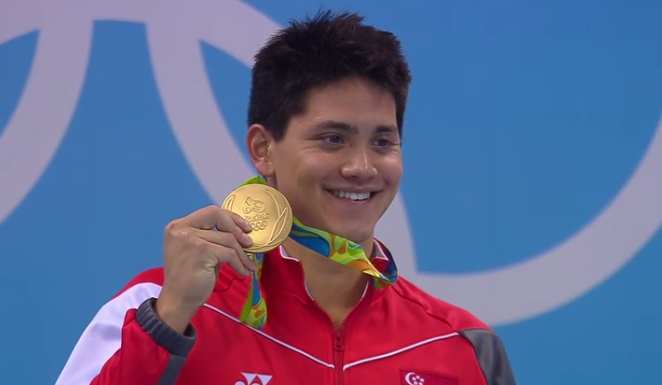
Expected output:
(352, 196)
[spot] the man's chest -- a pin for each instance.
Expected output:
(227, 352)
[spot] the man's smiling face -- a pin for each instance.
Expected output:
(339, 163)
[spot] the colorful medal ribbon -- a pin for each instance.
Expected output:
(341, 250)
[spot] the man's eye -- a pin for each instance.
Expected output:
(383, 143)
(333, 139)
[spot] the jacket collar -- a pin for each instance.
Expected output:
(285, 272)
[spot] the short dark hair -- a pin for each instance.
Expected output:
(315, 52)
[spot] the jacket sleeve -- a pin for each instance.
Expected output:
(127, 344)
(491, 356)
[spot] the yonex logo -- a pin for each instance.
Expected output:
(254, 379)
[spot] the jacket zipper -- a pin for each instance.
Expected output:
(338, 334)
(339, 342)
(339, 349)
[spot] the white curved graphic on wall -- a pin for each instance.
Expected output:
(30, 139)
(499, 296)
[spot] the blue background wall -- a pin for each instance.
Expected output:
(526, 119)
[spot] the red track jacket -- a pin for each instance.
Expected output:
(395, 336)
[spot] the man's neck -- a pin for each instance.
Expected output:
(336, 288)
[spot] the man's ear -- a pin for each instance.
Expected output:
(259, 142)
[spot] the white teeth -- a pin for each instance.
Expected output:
(351, 195)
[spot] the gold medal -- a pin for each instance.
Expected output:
(268, 212)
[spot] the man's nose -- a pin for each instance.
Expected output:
(358, 164)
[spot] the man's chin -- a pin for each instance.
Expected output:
(356, 235)
(350, 230)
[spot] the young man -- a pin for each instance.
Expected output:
(326, 116)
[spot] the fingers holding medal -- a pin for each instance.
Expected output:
(254, 218)
(195, 247)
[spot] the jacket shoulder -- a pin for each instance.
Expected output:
(454, 316)
(489, 349)
(150, 277)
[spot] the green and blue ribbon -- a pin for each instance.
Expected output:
(334, 247)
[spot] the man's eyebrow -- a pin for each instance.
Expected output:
(341, 126)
